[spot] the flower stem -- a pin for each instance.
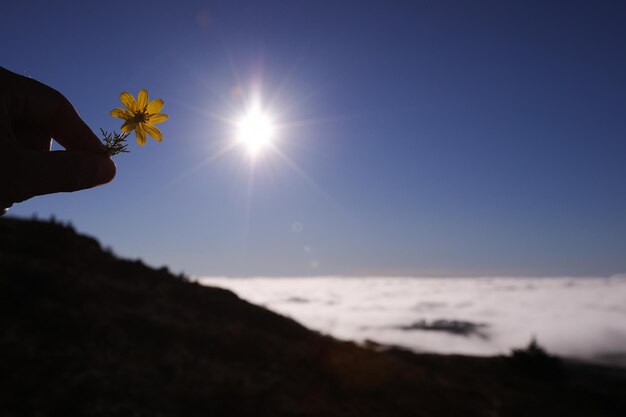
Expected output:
(114, 143)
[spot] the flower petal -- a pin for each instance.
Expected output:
(121, 113)
(155, 106)
(142, 99)
(129, 101)
(154, 132)
(157, 118)
(128, 126)
(140, 134)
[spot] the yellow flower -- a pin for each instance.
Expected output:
(141, 116)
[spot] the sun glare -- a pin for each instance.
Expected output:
(255, 130)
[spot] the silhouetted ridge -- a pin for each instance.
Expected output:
(85, 333)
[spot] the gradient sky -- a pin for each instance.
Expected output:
(416, 137)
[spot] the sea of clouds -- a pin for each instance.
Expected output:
(574, 317)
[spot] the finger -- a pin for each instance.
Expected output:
(36, 104)
(58, 171)
(72, 132)
(33, 137)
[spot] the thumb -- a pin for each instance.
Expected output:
(58, 171)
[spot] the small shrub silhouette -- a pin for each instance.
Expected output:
(534, 360)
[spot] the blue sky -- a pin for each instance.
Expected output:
(415, 137)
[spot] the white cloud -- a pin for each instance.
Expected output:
(578, 317)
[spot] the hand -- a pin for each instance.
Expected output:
(31, 114)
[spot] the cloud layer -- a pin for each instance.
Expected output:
(575, 317)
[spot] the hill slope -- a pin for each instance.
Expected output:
(83, 332)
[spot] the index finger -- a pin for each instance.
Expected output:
(34, 103)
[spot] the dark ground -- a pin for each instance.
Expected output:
(85, 333)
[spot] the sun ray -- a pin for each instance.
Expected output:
(311, 182)
(249, 195)
(203, 112)
(318, 121)
(211, 158)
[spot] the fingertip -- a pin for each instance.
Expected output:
(106, 171)
(71, 171)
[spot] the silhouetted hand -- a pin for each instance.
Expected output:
(32, 113)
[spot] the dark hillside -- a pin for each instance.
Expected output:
(85, 333)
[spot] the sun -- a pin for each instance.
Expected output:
(255, 130)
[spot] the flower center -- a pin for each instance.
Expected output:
(140, 116)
